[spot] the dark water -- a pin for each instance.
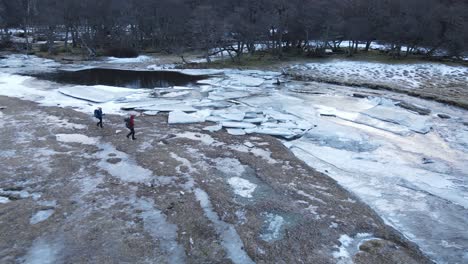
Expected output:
(121, 78)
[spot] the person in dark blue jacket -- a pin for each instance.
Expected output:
(98, 114)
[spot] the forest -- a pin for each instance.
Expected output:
(310, 27)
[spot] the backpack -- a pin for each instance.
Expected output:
(96, 113)
(127, 122)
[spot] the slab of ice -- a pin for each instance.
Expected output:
(151, 113)
(255, 120)
(138, 59)
(243, 80)
(41, 216)
(168, 108)
(97, 93)
(279, 116)
(236, 131)
(238, 125)
(210, 81)
(176, 94)
(212, 104)
(276, 131)
(213, 128)
(230, 114)
(395, 115)
(225, 95)
(179, 117)
(340, 137)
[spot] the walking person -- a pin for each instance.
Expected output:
(98, 114)
(130, 124)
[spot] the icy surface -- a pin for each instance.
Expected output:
(349, 247)
(411, 169)
(155, 223)
(242, 187)
(179, 117)
(274, 224)
(41, 216)
(142, 58)
(43, 252)
(97, 93)
(229, 236)
(76, 138)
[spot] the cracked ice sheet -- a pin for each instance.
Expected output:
(404, 194)
(179, 117)
(97, 93)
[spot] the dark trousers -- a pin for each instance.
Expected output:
(132, 133)
(100, 122)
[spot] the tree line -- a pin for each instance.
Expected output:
(242, 26)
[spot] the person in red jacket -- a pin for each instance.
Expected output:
(130, 123)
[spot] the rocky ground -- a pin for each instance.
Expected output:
(73, 193)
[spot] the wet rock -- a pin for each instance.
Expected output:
(418, 109)
(427, 161)
(13, 188)
(114, 160)
(358, 95)
(444, 116)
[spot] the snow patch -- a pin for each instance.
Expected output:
(76, 138)
(41, 216)
(274, 225)
(242, 187)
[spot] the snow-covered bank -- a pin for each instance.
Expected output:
(410, 168)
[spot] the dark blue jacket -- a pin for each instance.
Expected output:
(98, 113)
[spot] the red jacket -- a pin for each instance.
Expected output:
(132, 121)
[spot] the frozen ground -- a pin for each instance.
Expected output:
(75, 193)
(409, 167)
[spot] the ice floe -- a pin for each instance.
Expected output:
(179, 117)
(97, 93)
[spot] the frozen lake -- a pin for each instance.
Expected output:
(411, 168)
